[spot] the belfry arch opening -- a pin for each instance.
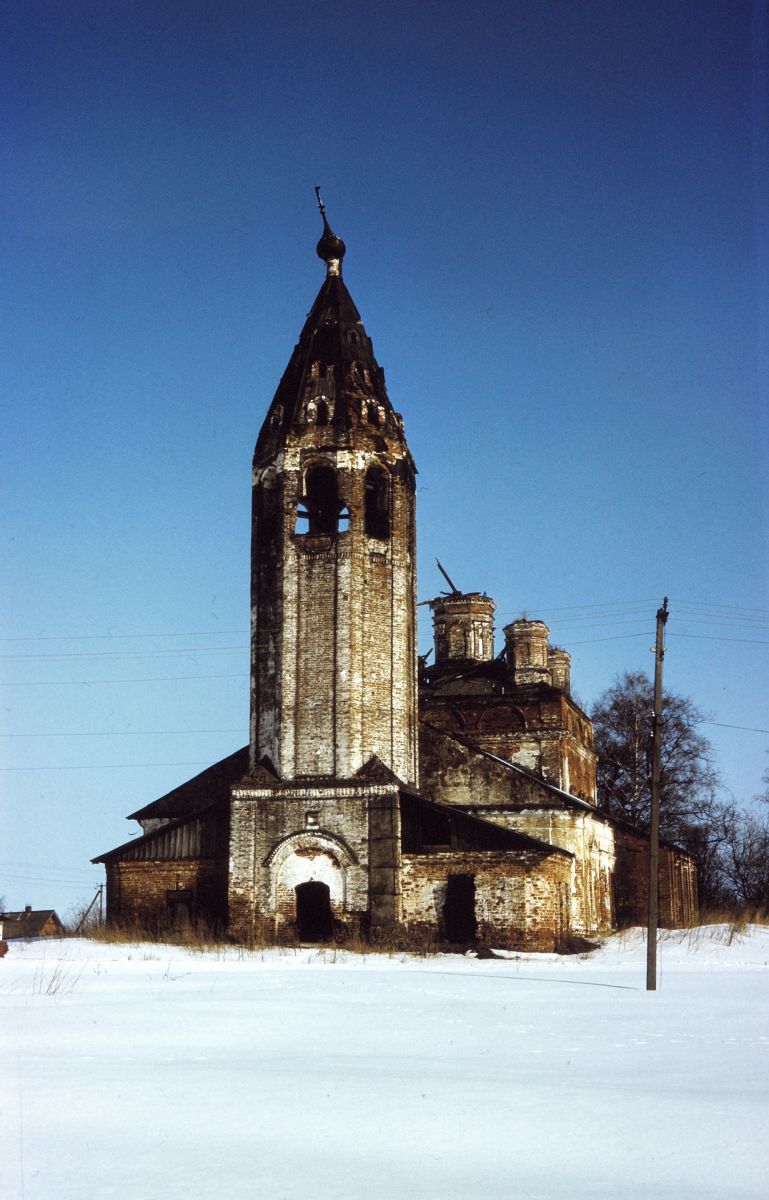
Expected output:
(377, 503)
(314, 919)
(320, 511)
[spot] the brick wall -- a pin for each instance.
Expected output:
(540, 728)
(137, 892)
(677, 883)
(520, 898)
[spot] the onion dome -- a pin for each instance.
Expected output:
(330, 247)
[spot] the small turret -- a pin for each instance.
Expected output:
(559, 662)
(526, 644)
(463, 624)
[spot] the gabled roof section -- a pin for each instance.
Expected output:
(30, 923)
(375, 771)
(210, 786)
(428, 827)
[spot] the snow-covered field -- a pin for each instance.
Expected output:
(145, 1071)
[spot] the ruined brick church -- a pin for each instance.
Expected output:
(378, 796)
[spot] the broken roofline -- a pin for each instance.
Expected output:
(454, 812)
(571, 801)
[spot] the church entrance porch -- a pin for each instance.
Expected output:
(314, 919)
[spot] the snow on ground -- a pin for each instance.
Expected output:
(151, 1072)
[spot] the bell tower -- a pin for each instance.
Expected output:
(333, 651)
(315, 826)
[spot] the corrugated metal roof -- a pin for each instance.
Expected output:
(202, 835)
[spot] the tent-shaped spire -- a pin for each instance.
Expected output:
(332, 379)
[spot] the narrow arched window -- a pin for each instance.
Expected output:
(372, 414)
(321, 416)
(319, 508)
(377, 503)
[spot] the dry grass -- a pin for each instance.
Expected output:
(723, 924)
(60, 980)
(201, 939)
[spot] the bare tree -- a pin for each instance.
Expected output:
(731, 845)
(745, 860)
(688, 782)
(744, 854)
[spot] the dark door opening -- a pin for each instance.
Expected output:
(459, 920)
(314, 920)
(179, 910)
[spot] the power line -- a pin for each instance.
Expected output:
(619, 637)
(16, 864)
(84, 637)
(107, 766)
(747, 728)
(626, 616)
(87, 682)
(244, 675)
(124, 653)
(241, 731)
(602, 619)
(125, 733)
(97, 637)
(704, 637)
(26, 879)
(606, 605)
(730, 607)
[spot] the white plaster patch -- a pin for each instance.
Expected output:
(526, 757)
(307, 867)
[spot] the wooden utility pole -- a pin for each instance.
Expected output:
(84, 917)
(654, 827)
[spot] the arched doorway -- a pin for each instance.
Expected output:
(315, 857)
(314, 920)
(459, 920)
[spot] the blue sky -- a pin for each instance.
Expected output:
(556, 220)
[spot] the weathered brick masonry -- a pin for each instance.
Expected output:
(520, 896)
(155, 894)
(465, 812)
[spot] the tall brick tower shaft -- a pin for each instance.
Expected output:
(333, 591)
